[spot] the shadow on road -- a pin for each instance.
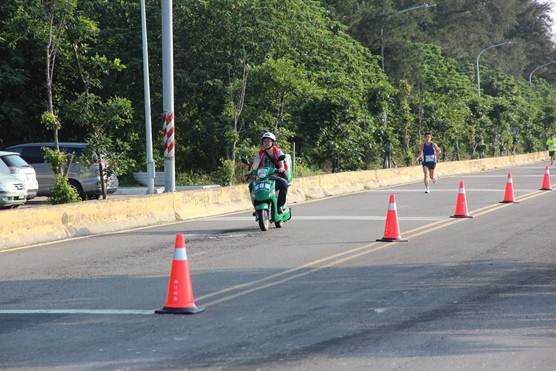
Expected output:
(400, 310)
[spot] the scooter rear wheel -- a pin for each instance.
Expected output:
(264, 219)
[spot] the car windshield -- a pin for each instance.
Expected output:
(4, 168)
(15, 161)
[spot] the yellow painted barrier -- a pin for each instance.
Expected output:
(20, 227)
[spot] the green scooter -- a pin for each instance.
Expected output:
(265, 198)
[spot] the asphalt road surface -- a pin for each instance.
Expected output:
(318, 294)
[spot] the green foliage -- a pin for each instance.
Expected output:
(106, 122)
(62, 192)
(193, 178)
(57, 159)
(50, 121)
(224, 175)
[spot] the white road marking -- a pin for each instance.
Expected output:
(514, 175)
(76, 311)
(455, 190)
(328, 217)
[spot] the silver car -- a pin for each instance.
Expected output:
(12, 192)
(12, 164)
(84, 179)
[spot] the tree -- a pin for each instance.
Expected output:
(106, 122)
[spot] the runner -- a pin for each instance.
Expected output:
(551, 144)
(428, 153)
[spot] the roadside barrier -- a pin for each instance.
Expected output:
(20, 227)
(461, 203)
(546, 186)
(509, 191)
(392, 225)
(180, 298)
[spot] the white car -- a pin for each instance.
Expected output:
(12, 192)
(12, 164)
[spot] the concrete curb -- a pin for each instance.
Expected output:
(20, 227)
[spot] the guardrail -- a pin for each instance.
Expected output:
(20, 227)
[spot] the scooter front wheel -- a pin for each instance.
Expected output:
(264, 219)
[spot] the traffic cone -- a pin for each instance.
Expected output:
(509, 193)
(461, 203)
(392, 227)
(546, 186)
(180, 298)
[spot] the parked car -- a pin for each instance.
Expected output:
(84, 178)
(12, 164)
(12, 191)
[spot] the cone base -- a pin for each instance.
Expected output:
(462, 216)
(508, 202)
(386, 239)
(545, 189)
(169, 310)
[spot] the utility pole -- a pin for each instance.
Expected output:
(168, 96)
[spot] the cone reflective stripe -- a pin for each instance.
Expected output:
(392, 226)
(461, 203)
(509, 192)
(546, 186)
(180, 299)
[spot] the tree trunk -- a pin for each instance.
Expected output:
(237, 114)
(102, 179)
(50, 61)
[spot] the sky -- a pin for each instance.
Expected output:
(553, 15)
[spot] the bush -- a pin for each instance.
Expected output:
(302, 169)
(193, 178)
(62, 192)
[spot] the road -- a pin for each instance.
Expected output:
(319, 294)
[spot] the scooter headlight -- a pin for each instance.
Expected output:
(261, 173)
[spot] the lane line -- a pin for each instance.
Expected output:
(332, 217)
(355, 253)
(77, 311)
(455, 190)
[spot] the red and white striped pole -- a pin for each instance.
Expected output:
(168, 96)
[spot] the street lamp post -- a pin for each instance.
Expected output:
(416, 7)
(147, 93)
(537, 68)
(388, 145)
(477, 63)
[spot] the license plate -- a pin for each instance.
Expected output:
(262, 186)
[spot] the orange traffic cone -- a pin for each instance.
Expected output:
(546, 180)
(180, 298)
(392, 227)
(509, 193)
(461, 203)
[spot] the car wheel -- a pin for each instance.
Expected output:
(77, 188)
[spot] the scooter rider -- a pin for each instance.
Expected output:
(268, 157)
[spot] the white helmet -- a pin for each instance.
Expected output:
(269, 135)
